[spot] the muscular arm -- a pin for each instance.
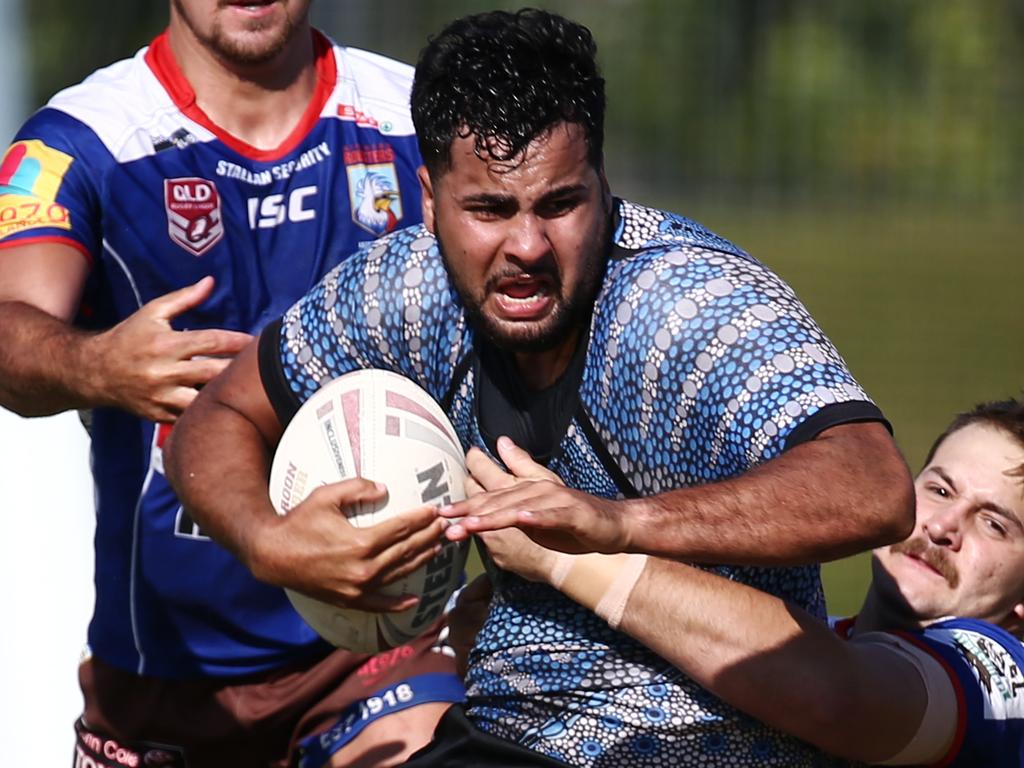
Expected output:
(142, 365)
(846, 491)
(860, 700)
(218, 460)
(42, 365)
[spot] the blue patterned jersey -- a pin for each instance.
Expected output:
(700, 364)
(127, 168)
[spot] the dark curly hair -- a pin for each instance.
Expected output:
(1007, 415)
(506, 78)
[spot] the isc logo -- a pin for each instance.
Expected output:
(274, 210)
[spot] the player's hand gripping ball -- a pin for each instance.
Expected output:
(381, 426)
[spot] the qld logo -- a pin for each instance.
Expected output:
(193, 213)
(374, 196)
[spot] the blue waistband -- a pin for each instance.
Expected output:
(315, 751)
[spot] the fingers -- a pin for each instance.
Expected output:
(407, 526)
(173, 403)
(521, 464)
(472, 487)
(486, 472)
(522, 495)
(214, 342)
(397, 564)
(397, 547)
(199, 371)
(348, 492)
(172, 304)
(493, 521)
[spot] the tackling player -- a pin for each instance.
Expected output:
(151, 218)
(928, 673)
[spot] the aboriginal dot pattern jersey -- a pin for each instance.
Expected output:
(127, 169)
(984, 663)
(701, 363)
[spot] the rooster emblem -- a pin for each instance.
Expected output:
(377, 204)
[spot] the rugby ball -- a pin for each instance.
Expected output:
(378, 425)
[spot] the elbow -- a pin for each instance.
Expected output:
(884, 487)
(895, 511)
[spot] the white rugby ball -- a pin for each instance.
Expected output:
(378, 425)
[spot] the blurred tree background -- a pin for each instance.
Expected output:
(869, 151)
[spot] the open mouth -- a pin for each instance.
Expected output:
(525, 296)
(252, 7)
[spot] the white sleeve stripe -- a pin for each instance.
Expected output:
(939, 723)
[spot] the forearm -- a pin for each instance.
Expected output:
(46, 365)
(763, 656)
(842, 493)
(218, 462)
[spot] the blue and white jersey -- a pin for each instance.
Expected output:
(700, 364)
(128, 169)
(984, 663)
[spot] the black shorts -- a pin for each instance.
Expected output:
(457, 743)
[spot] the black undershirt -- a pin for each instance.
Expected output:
(536, 420)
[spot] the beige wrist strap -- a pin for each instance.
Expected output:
(602, 583)
(560, 570)
(613, 603)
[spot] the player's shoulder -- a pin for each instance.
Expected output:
(407, 258)
(374, 89)
(649, 232)
(665, 260)
(121, 104)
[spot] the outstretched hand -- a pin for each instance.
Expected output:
(315, 550)
(146, 367)
(534, 499)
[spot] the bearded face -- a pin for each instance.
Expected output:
(244, 34)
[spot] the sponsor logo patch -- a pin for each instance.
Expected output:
(375, 197)
(180, 139)
(193, 213)
(21, 212)
(350, 113)
(32, 168)
(994, 667)
(30, 177)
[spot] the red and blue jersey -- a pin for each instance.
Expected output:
(127, 168)
(985, 665)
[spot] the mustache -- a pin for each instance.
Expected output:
(936, 557)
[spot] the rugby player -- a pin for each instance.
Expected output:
(660, 370)
(929, 671)
(151, 219)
